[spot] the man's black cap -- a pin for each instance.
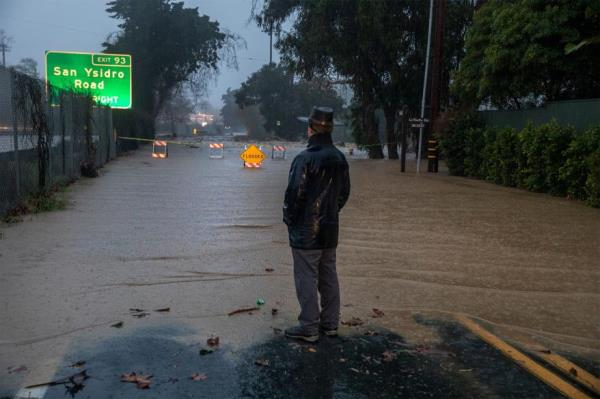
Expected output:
(321, 118)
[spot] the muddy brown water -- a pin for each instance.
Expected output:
(196, 235)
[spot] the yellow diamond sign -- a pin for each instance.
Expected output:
(252, 155)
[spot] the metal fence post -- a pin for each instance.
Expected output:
(15, 138)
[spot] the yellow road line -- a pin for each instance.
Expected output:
(522, 360)
(574, 371)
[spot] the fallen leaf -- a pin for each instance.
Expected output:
(262, 362)
(388, 356)
(162, 310)
(355, 321)
(198, 377)
(377, 313)
(274, 311)
(573, 371)
(212, 341)
(269, 270)
(312, 350)
(141, 381)
(117, 325)
(242, 310)
(204, 351)
(78, 364)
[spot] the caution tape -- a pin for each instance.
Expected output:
(191, 143)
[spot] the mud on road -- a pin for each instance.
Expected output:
(196, 235)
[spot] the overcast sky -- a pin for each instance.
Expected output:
(82, 25)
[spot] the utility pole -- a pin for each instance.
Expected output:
(271, 44)
(4, 47)
(424, 95)
(436, 82)
(5, 42)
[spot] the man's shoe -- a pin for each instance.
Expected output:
(329, 332)
(299, 332)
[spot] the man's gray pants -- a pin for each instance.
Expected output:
(314, 274)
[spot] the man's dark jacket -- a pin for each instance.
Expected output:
(318, 188)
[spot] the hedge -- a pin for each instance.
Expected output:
(547, 158)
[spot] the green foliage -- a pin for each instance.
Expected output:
(41, 201)
(377, 47)
(548, 158)
(507, 157)
(515, 53)
(169, 44)
(453, 145)
(544, 149)
(592, 185)
(577, 166)
(281, 100)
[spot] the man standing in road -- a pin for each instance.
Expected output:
(318, 188)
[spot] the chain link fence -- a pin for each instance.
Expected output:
(43, 143)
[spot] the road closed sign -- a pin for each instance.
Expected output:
(105, 77)
(252, 155)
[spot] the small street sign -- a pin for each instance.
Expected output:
(252, 155)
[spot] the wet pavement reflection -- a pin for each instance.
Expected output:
(365, 364)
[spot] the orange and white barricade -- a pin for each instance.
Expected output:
(252, 165)
(278, 152)
(216, 150)
(157, 146)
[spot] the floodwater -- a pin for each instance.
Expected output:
(195, 235)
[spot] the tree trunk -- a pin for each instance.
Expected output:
(374, 146)
(390, 129)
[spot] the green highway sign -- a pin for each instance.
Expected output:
(106, 77)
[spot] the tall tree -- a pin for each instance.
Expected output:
(281, 100)
(28, 66)
(377, 47)
(515, 53)
(169, 43)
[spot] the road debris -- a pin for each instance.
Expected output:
(78, 364)
(212, 341)
(205, 351)
(198, 377)
(388, 356)
(371, 333)
(262, 362)
(311, 349)
(260, 301)
(118, 324)
(141, 381)
(136, 310)
(377, 313)
(163, 310)
(277, 331)
(74, 382)
(17, 369)
(274, 311)
(353, 322)
(243, 310)
(269, 270)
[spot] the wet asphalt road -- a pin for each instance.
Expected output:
(196, 235)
